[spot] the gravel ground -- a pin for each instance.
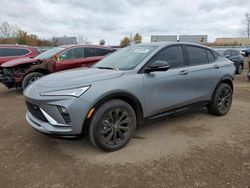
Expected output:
(193, 149)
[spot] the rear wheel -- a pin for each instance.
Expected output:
(112, 125)
(221, 101)
(30, 78)
(239, 69)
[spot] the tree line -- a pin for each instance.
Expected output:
(12, 34)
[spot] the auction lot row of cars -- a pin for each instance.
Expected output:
(116, 92)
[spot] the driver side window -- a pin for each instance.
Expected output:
(173, 55)
(74, 53)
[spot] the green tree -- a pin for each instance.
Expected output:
(137, 38)
(22, 37)
(124, 42)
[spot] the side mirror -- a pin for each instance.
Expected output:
(157, 65)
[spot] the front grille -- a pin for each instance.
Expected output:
(35, 111)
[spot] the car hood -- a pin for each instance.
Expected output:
(19, 61)
(77, 77)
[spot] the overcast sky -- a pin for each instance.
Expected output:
(113, 19)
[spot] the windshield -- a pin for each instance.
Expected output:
(127, 58)
(48, 54)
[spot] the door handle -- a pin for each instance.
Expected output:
(183, 72)
(216, 66)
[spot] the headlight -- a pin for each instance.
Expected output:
(76, 92)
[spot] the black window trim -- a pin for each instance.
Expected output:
(171, 45)
(22, 48)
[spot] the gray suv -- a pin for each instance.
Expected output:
(132, 85)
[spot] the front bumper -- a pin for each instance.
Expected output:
(47, 118)
(6, 80)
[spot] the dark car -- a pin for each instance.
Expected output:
(246, 52)
(236, 57)
(10, 52)
(23, 71)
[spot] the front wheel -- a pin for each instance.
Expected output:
(222, 100)
(30, 78)
(112, 125)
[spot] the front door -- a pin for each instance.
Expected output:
(167, 90)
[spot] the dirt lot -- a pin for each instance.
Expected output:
(193, 149)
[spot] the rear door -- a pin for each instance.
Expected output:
(204, 73)
(91, 56)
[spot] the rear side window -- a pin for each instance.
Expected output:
(197, 55)
(235, 53)
(102, 52)
(227, 53)
(90, 52)
(7, 52)
(210, 56)
(173, 55)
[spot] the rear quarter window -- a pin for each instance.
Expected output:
(210, 56)
(196, 55)
(102, 52)
(8, 52)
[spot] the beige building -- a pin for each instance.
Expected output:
(233, 41)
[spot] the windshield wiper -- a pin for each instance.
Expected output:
(108, 68)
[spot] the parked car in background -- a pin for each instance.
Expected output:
(248, 74)
(10, 52)
(23, 71)
(236, 57)
(246, 52)
(130, 86)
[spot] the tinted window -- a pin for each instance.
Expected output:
(172, 55)
(227, 53)
(196, 55)
(210, 56)
(90, 52)
(216, 54)
(234, 53)
(102, 52)
(4, 52)
(74, 53)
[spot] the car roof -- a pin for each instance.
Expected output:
(163, 44)
(16, 46)
(85, 45)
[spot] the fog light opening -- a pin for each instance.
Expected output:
(65, 114)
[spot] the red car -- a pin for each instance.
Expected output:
(9, 52)
(23, 71)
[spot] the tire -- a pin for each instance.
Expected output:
(222, 100)
(105, 129)
(239, 69)
(31, 77)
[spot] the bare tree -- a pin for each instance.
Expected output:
(8, 30)
(83, 40)
(246, 25)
